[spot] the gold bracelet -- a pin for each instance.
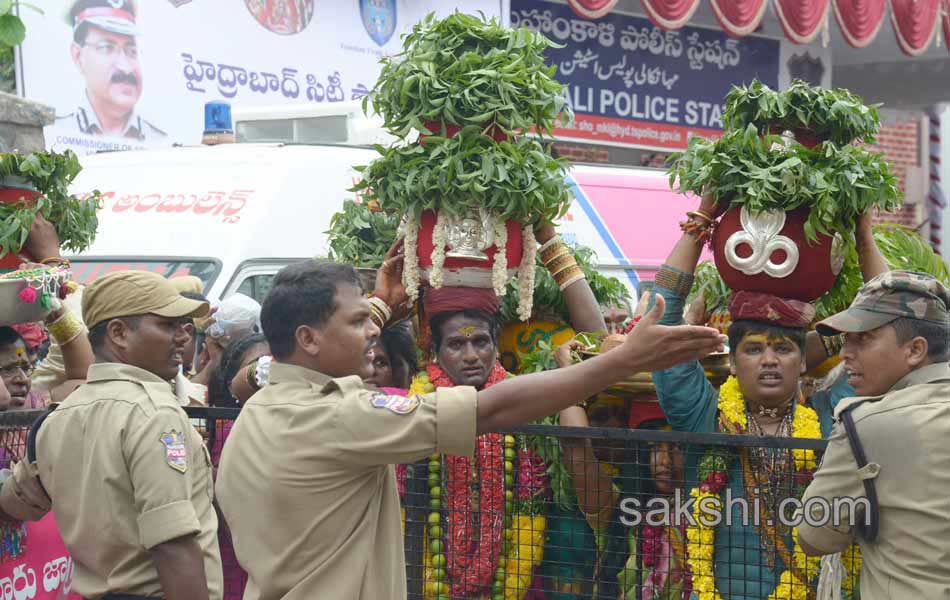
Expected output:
(564, 262)
(678, 282)
(701, 215)
(552, 248)
(252, 376)
(574, 277)
(66, 328)
(558, 253)
(381, 310)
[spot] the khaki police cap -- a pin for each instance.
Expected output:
(132, 293)
(890, 296)
(188, 283)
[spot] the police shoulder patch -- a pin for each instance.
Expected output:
(175, 455)
(401, 405)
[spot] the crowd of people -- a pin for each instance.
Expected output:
(299, 498)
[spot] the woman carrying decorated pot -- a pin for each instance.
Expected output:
(768, 340)
(592, 553)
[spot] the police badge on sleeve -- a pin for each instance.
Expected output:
(175, 455)
(401, 405)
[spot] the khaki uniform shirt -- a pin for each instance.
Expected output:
(126, 472)
(307, 486)
(905, 436)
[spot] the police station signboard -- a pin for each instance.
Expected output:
(129, 74)
(631, 83)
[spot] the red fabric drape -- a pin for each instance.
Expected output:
(739, 17)
(859, 20)
(801, 19)
(670, 14)
(591, 9)
(915, 22)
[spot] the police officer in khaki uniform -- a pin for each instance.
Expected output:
(889, 450)
(305, 480)
(127, 477)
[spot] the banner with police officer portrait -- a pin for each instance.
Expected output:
(131, 74)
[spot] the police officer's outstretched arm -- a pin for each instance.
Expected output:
(650, 347)
(371, 428)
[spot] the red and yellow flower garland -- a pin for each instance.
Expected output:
(505, 555)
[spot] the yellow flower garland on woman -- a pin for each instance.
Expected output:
(793, 583)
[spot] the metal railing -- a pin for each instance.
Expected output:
(555, 513)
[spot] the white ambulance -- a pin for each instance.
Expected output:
(234, 214)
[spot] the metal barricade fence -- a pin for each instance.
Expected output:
(555, 513)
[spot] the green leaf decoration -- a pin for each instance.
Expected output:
(360, 235)
(513, 179)
(50, 173)
(463, 70)
(836, 115)
(745, 168)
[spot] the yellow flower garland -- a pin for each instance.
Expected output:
(701, 539)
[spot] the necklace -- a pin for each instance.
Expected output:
(770, 476)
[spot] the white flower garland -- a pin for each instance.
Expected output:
(410, 268)
(438, 251)
(526, 273)
(499, 275)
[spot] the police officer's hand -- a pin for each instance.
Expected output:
(654, 347)
(22, 496)
(43, 241)
(389, 287)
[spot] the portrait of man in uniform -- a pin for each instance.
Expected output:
(105, 51)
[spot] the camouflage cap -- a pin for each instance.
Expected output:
(890, 296)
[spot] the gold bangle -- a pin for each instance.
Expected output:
(552, 247)
(579, 275)
(564, 262)
(252, 376)
(66, 328)
(55, 261)
(556, 253)
(701, 215)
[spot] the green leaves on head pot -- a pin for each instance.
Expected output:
(513, 179)
(838, 183)
(360, 236)
(462, 70)
(50, 174)
(836, 115)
